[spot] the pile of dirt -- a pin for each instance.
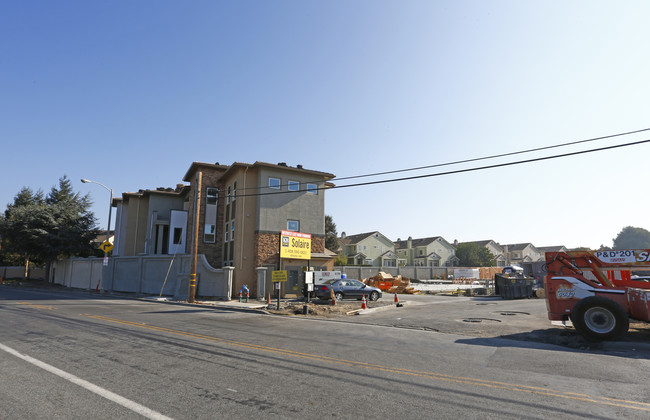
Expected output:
(322, 309)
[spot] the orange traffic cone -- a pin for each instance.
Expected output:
(332, 296)
(364, 305)
(268, 300)
(396, 298)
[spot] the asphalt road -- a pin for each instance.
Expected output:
(73, 355)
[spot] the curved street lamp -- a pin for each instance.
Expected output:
(110, 205)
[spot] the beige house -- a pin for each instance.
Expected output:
(371, 248)
(517, 254)
(430, 252)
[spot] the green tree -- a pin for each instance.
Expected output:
(331, 236)
(632, 238)
(41, 230)
(474, 255)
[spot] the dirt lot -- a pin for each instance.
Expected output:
(323, 308)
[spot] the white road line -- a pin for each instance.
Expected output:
(131, 405)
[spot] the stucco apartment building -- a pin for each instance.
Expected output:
(242, 210)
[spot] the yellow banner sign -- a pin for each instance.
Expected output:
(279, 275)
(295, 245)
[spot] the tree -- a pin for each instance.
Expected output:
(474, 255)
(632, 238)
(331, 236)
(42, 230)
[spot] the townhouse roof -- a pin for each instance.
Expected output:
(354, 239)
(557, 248)
(484, 243)
(519, 247)
(417, 242)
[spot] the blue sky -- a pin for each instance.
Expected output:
(129, 93)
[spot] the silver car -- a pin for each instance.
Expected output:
(347, 289)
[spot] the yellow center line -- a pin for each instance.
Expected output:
(50, 307)
(635, 405)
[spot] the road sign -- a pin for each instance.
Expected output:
(279, 275)
(295, 245)
(106, 247)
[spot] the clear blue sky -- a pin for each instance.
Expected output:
(129, 93)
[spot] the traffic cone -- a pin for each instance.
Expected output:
(332, 297)
(396, 298)
(364, 305)
(268, 300)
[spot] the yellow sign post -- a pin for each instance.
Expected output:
(295, 245)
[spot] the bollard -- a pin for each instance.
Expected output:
(240, 295)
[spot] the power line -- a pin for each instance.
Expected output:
(438, 165)
(494, 156)
(458, 171)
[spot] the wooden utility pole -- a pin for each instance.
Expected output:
(195, 234)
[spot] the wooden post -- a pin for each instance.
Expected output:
(195, 242)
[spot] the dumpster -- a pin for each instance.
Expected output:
(513, 287)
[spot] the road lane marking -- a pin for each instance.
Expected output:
(124, 402)
(635, 405)
(33, 305)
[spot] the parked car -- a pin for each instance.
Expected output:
(347, 289)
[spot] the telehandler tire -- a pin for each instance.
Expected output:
(598, 318)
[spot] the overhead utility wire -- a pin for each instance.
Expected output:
(438, 165)
(458, 171)
(493, 156)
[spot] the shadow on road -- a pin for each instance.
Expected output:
(635, 344)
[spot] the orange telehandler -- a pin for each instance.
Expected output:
(597, 291)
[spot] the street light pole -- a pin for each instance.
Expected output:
(110, 205)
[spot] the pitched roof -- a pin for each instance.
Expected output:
(519, 247)
(484, 243)
(551, 248)
(417, 242)
(355, 239)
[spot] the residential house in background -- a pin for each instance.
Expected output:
(430, 252)
(544, 249)
(518, 254)
(370, 248)
(495, 249)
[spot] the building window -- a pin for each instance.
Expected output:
(312, 188)
(227, 233)
(178, 236)
(274, 183)
(210, 233)
(211, 196)
(294, 186)
(293, 225)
